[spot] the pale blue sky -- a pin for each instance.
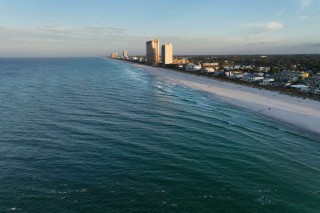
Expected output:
(97, 27)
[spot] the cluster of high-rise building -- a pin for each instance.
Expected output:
(307, 81)
(124, 55)
(153, 56)
(153, 53)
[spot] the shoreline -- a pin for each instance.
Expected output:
(294, 111)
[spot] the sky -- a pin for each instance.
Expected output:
(50, 28)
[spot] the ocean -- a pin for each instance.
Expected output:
(99, 135)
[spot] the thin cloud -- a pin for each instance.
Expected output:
(305, 3)
(61, 40)
(61, 34)
(272, 26)
(264, 27)
(80, 32)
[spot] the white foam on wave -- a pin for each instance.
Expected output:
(15, 209)
(265, 201)
(281, 107)
(231, 123)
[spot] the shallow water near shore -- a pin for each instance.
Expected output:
(90, 134)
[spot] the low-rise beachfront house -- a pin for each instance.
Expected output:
(263, 69)
(317, 91)
(227, 68)
(252, 77)
(180, 61)
(209, 67)
(207, 70)
(284, 84)
(303, 88)
(238, 75)
(314, 90)
(218, 73)
(193, 67)
(248, 67)
(267, 81)
(227, 73)
(313, 81)
(180, 67)
(134, 58)
(291, 76)
(236, 66)
(214, 65)
(233, 74)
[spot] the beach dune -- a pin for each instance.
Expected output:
(297, 112)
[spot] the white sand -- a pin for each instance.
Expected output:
(298, 112)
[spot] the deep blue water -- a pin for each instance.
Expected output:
(96, 135)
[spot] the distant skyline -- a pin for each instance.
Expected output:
(94, 28)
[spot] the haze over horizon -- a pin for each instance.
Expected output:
(94, 28)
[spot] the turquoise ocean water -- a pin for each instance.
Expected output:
(96, 135)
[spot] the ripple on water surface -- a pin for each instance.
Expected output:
(89, 134)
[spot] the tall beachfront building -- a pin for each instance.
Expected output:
(152, 51)
(114, 55)
(167, 53)
(125, 54)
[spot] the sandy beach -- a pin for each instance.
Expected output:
(297, 112)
